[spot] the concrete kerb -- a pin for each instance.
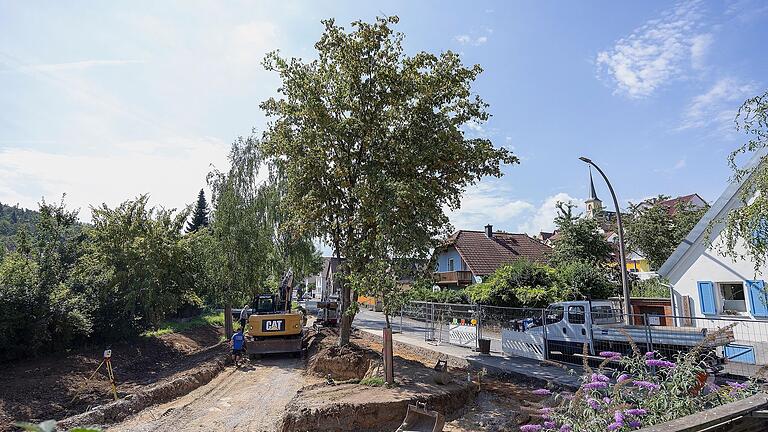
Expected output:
(523, 370)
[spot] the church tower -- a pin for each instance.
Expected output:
(593, 204)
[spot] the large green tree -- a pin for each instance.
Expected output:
(373, 145)
(135, 271)
(745, 226)
(655, 230)
(578, 239)
(250, 228)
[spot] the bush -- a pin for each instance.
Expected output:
(580, 279)
(646, 390)
(653, 288)
(522, 283)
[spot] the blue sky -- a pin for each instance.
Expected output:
(104, 100)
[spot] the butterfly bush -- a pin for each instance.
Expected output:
(646, 389)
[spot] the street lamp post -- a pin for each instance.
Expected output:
(622, 255)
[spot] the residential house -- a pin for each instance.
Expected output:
(709, 286)
(330, 286)
(468, 256)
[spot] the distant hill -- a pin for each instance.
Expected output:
(12, 218)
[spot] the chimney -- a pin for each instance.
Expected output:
(489, 231)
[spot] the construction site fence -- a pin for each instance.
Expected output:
(738, 344)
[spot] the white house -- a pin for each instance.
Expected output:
(715, 289)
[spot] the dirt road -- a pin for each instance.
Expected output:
(251, 398)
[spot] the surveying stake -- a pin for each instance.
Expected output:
(107, 360)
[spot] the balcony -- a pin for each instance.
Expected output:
(453, 278)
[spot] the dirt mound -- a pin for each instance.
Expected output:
(356, 407)
(350, 362)
(57, 386)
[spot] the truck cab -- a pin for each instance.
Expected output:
(568, 325)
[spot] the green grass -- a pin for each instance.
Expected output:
(212, 318)
(373, 381)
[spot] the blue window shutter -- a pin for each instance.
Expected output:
(707, 298)
(757, 299)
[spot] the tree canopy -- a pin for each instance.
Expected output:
(655, 230)
(578, 239)
(373, 146)
(745, 225)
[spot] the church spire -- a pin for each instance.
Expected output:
(592, 193)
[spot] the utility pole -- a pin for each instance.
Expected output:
(622, 255)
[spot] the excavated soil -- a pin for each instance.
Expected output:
(499, 406)
(351, 406)
(57, 386)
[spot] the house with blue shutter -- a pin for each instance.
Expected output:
(714, 288)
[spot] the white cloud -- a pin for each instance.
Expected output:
(465, 39)
(247, 43)
(543, 219)
(657, 52)
(487, 203)
(718, 105)
(680, 164)
(171, 171)
(699, 48)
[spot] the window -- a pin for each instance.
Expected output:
(554, 314)
(576, 314)
(450, 264)
(605, 315)
(733, 297)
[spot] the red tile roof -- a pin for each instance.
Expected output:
(672, 204)
(484, 255)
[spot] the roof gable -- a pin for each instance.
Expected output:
(695, 243)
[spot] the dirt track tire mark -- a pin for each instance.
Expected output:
(249, 399)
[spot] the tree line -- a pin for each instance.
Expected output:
(135, 265)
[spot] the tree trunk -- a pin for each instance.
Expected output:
(228, 320)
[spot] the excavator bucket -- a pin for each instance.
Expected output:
(420, 419)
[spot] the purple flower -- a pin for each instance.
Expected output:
(530, 428)
(614, 426)
(542, 392)
(636, 412)
(618, 416)
(623, 377)
(660, 363)
(593, 403)
(550, 424)
(712, 387)
(596, 377)
(650, 354)
(607, 400)
(737, 386)
(595, 385)
(613, 355)
(646, 385)
(546, 410)
(634, 424)
(565, 428)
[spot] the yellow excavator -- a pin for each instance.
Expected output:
(274, 327)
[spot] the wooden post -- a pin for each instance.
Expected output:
(228, 321)
(389, 370)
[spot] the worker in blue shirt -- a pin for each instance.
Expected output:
(238, 345)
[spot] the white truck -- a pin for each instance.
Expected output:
(565, 327)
